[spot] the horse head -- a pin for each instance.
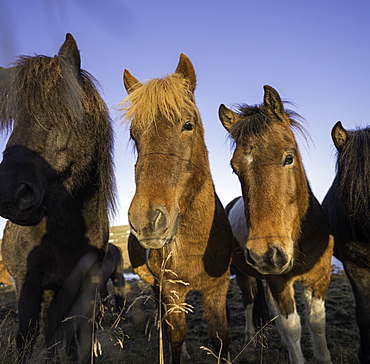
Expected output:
(274, 187)
(44, 101)
(169, 139)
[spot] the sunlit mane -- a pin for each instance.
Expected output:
(169, 97)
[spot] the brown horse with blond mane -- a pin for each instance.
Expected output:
(281, 228)
(180, 235)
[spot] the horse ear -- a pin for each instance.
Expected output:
(70, 52)
(227, 117)
(186, 69)
(273, 101)
(339, 135)
(130, 81)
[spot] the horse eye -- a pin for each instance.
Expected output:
(188, 126)
(288, 160)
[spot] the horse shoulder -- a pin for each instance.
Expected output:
(317, 242)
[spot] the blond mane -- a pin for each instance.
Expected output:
(169, 97)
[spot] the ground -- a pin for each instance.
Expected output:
(133, 339)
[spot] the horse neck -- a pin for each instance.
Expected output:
(314, 222)
(198, 204)
(85, 215)
(194, 232)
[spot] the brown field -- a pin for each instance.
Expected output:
(138, 336)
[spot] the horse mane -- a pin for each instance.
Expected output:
(44, 90)
(353, 171)
(169, 97)
(255, 119)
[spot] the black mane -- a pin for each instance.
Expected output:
(353, 171)
(255, 119)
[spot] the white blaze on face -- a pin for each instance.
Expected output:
(248, 158)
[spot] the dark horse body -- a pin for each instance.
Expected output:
(280, 226)
(180, 235)
(56, 188)
(347, 205)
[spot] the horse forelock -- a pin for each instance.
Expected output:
(353, 170)
(255, 120)
(41, 90)
(170, 98)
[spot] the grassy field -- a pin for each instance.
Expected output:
(134, 339)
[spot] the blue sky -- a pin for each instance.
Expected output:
(315, 53)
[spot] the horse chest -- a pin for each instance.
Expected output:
(185, 268)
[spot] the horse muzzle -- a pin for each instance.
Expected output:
(22, 186)
(23, 206)
(274, 261)
(155, 228)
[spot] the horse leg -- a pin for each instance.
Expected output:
(360, 282)
(245, 283)
(214, 303)
(175, 324)
(119, 290)
(83, 313)
(282, 304)
(29, 307)
(104, 291)
(315, 308)
(74, 302)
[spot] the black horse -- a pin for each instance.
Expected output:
(112, 269)
(347, 204)
(57, 189)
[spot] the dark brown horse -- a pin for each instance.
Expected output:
(112, 269)
(280, 226)
(56, 188)
(180, 235)
(347, 205)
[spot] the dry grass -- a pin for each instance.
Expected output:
(133, 338)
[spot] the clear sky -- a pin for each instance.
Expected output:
(315, 53)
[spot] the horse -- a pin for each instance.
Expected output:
(180, 236)
(57, 190)
(283, 232)
(112, 269)
(347, 205)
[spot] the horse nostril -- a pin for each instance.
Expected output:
(248, 258)
(276, 257)
(25, 197)
(158, 219)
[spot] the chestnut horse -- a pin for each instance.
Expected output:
(347, 205)
(280, 226)
(180, 235)
(57, 189)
